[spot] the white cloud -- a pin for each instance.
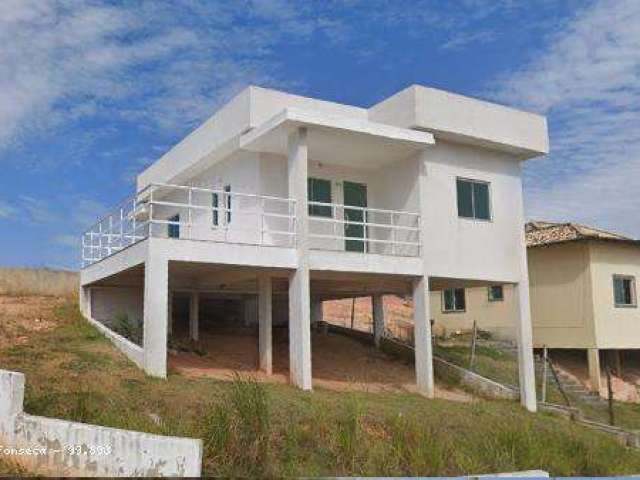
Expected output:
(587, 81)
(6, 210)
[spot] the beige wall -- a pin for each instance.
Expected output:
(616, 327)
(560, 291)
(499, 318)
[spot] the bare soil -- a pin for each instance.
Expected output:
(24, 315)
(339, 363)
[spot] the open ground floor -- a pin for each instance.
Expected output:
(209, 319)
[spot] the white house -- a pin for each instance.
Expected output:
(280, 201)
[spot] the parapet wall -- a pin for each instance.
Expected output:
(63, 448)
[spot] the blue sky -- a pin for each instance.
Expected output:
(93, 91)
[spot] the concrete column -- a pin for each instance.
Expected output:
(617, 362)
(299, 287)
(194, 316)
(524, 335)
(593, 360)
(170, 313)
(317, 314)
(378, 318)
(265, 342)
(156, 295)
(85, 301)
(422, 333)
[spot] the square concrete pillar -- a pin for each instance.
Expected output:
(156, 295)
(170, 313)
(378, 318)
(299, 287)
(84, 301)
(593, 361)
(317, 314)
(265, 343)
(524, 338)
(194, 316)
(422, 333)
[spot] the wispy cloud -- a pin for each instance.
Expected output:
(587, 81)
(6, 210)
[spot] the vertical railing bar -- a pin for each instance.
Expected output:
(151, 212)
(189, 215)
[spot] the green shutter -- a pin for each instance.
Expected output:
(465, 202)
(481, 201)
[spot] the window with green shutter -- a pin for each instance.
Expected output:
(453, 300)
(624, 291)
(473, 199)
(319, 191)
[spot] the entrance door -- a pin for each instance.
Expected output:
(355, 195)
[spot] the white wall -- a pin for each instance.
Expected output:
(109, 302)
(473, 249)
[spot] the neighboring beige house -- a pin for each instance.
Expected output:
(582, 289)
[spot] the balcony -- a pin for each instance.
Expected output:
(221, 216)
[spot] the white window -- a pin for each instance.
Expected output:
(624, 291)
(453, 300)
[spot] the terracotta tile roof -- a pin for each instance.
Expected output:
(545, 233)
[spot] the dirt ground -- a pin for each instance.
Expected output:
(339, 362)
(625, 389)
(20, 316)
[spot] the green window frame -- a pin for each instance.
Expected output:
(319, 190)
(227, 202)
(173, 229)
(453, 300)
(473, 198)
(624, 291)
(215, 203)
(496, 293)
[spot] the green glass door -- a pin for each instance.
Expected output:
(355, 195)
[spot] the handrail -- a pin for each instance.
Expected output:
(254, 219)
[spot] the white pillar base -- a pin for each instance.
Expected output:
(265, 341)
(422, 333)
(526, 368)
(194, 316)
(593, 361)
(378, 318)
(156, 275)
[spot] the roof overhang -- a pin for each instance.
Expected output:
(336, 139)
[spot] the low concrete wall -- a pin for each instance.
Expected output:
(134, 352)
(64, 448)
(443, 369)
(625, 437)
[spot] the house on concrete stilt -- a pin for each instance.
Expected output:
(279, 202)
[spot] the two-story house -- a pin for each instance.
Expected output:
(282, 201)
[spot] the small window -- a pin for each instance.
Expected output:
(319, 190)
(173, 229)
(473, 199)
(624, 291)
(496, 293)
(227, 202)
(453, 300)
(215, 205)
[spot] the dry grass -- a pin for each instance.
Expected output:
(271, 430)
(38, 281)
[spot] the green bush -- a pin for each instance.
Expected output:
(128, 328)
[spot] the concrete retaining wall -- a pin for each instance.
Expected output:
(63, 448)
(443, 369)
(134, 352)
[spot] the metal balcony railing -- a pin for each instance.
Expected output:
(220, 215)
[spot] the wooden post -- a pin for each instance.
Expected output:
(555, 377)
(545, 357)
(472, 357)
(607, 370)
(353, 311)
